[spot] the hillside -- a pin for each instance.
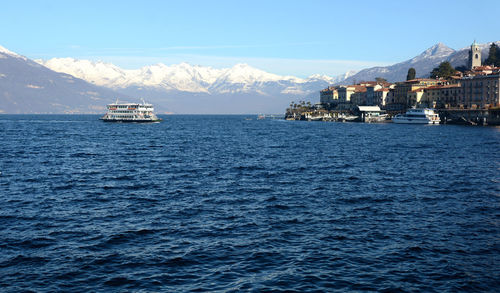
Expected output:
(28, 87)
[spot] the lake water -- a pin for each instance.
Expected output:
(221, 203)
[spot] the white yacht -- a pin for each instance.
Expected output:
(417, 116)
(130, 112)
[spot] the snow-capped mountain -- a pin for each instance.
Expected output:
(67, 85)
(423, 64)
(436, 52)
(180, 77)
(28, 87)
(184, 88)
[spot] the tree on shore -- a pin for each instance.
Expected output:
(411, 74)
(444, 70)
(493, 56)
(301, 106)
(462, 68)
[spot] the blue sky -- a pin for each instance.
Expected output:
(284, 37)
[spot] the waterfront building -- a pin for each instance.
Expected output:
(370, 94)
(398, 100)
(376, 94)
(474, 56)
(449, 95)
(441, 96)
(415, 96)
(329, 96)
(345, 92)
(479, 91)
(432, 95)
(347, 97)
(359, 96)
(380, 96)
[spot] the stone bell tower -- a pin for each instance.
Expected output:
(474, 56)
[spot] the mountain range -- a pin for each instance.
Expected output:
(196, 89)
(68, 85)
(423, 64)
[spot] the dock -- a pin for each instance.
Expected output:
(489, 116)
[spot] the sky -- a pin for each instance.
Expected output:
(298, 38)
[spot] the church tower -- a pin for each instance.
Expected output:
(474, 56)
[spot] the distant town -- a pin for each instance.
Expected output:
(467, 94)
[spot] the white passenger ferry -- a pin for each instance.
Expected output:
(417, 116)
(130, 112)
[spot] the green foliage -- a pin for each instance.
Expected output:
(411, 74)
(300, 106)
(444, 70)
(380, 79)
(493, 56)
(462, 68)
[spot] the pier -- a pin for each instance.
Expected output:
(489, 116)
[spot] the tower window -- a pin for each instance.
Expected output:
(477, 56)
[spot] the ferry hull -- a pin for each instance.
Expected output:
(414, 121)
(130, 120)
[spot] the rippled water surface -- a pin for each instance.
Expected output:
(221, 203)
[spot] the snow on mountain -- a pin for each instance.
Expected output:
(331, 80)
(438, 51)
(243, 73)
(423, 64)
(6, 53)
(160, 80)
(182, 77)
(99, 73)
(185, 88)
